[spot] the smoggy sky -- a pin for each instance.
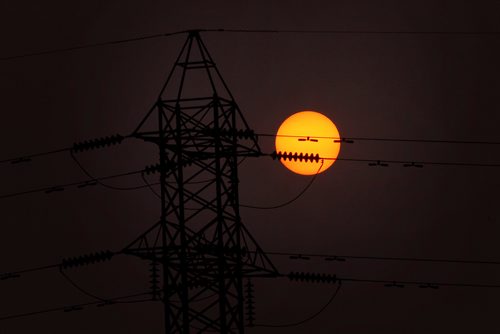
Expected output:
(424, 86)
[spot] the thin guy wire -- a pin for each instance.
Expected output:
(253, 31)
(311, 317)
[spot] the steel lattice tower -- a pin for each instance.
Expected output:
(199, 241)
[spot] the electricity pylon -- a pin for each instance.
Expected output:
(199, 241)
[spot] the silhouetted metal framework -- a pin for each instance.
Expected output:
(200, 242)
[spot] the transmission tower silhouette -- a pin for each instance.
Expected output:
(200, 243)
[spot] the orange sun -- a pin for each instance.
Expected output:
(308, 132)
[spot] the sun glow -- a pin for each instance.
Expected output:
(308, 132)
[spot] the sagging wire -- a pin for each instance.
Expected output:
(289, 201)
(94, 181)
(309, 318)
(79, 288)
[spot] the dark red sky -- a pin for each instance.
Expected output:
(397, 86)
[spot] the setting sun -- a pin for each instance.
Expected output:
(308, 132)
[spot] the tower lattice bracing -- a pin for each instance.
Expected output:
(200, 243)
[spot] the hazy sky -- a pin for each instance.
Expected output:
(370, 85)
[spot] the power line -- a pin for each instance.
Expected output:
(302, 277)
(375, 162)
(328, 257)
(17, 274)
(253, 31)
(307, 277)
(286, 156)
(351, 140)
(342, 258)
(140, 250)
(357, 32)
(420, 284)
(79, 307)
(334, 279)
(69, 262)
(91, 45)
(29, 157)
(82, 146)
(78, 184)
(418, 164)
